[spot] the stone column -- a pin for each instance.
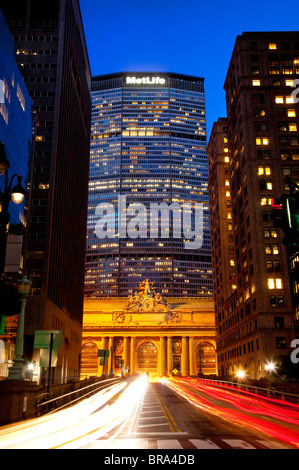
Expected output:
(132, 356)
(169, 355)
(106, 346)
(162, 362)
(184, 358)
(191, 355)
(125, 351)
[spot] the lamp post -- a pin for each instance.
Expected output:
(15, 194)
(15, 372)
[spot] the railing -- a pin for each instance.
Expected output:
(267, 392)
(46, 405)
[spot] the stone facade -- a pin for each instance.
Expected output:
(177, 339)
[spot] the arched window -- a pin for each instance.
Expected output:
(147, 357)
(89, 361)
(206, 356)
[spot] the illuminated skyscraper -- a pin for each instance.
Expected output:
(52, 57)
(148, 146)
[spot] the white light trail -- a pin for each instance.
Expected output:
(78, 425)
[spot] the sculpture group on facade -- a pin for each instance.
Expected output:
(147, 300)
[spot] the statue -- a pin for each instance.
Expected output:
(148, 300)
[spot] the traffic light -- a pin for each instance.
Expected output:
(285, 213)
(295, 211)
(279, 213)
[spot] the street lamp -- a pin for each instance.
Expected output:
(111, 370)
(240, 374)
(15, 372)
(15, 194)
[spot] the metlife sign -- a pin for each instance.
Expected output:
(145, 81)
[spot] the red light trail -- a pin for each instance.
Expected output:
(269, 416)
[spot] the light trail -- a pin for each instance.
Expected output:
(78, 425)
(269, 416)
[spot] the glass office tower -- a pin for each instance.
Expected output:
(148, 189)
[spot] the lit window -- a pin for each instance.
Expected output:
(279, 99)
(226, 149)
(265, 141)
(258, 141)
(272, 45)
(229, 215)
(226, 182)
(226, 159)
(227, 193)
(293, 127)
(232, 262)
(260, 170)
(275, 250)
(290, 99)
(268, 250)
(256, 83)
(290, 83)
(267, 170)
(278, 283)
(271, 284)
(269, 185)
(291, 112)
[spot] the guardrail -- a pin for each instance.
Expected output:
(46, 405)
(268, 392)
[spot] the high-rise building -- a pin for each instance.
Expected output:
(148, 153)
(52, 57)
(15, 139)
(251, 155)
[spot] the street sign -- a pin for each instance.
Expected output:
(175, 371)
(103, 353)
(44, 359)
(42, 339)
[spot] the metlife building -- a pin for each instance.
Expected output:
(148, 215)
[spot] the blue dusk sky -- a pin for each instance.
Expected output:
(192, 37)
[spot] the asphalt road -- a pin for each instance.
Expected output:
(164, 420)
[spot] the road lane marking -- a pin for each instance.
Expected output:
(273, 444)
(169, 444)
(238, 444)
(169, 418)
(204, 444)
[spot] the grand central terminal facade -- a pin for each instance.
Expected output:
(148, 334)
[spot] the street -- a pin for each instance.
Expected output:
(180, 413)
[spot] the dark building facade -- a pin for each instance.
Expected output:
(16, 136)
(148, 148)
(251, 154)
(52, 57)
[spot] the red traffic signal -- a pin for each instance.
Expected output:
(277, 203)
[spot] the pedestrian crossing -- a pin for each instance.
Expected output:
(185, 444)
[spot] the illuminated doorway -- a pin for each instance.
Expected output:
(148, 358)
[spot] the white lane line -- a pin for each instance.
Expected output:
(151, 425)
(238, 444)
(273, 444)
(153, 417)
(169, 444)
(204, 444)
